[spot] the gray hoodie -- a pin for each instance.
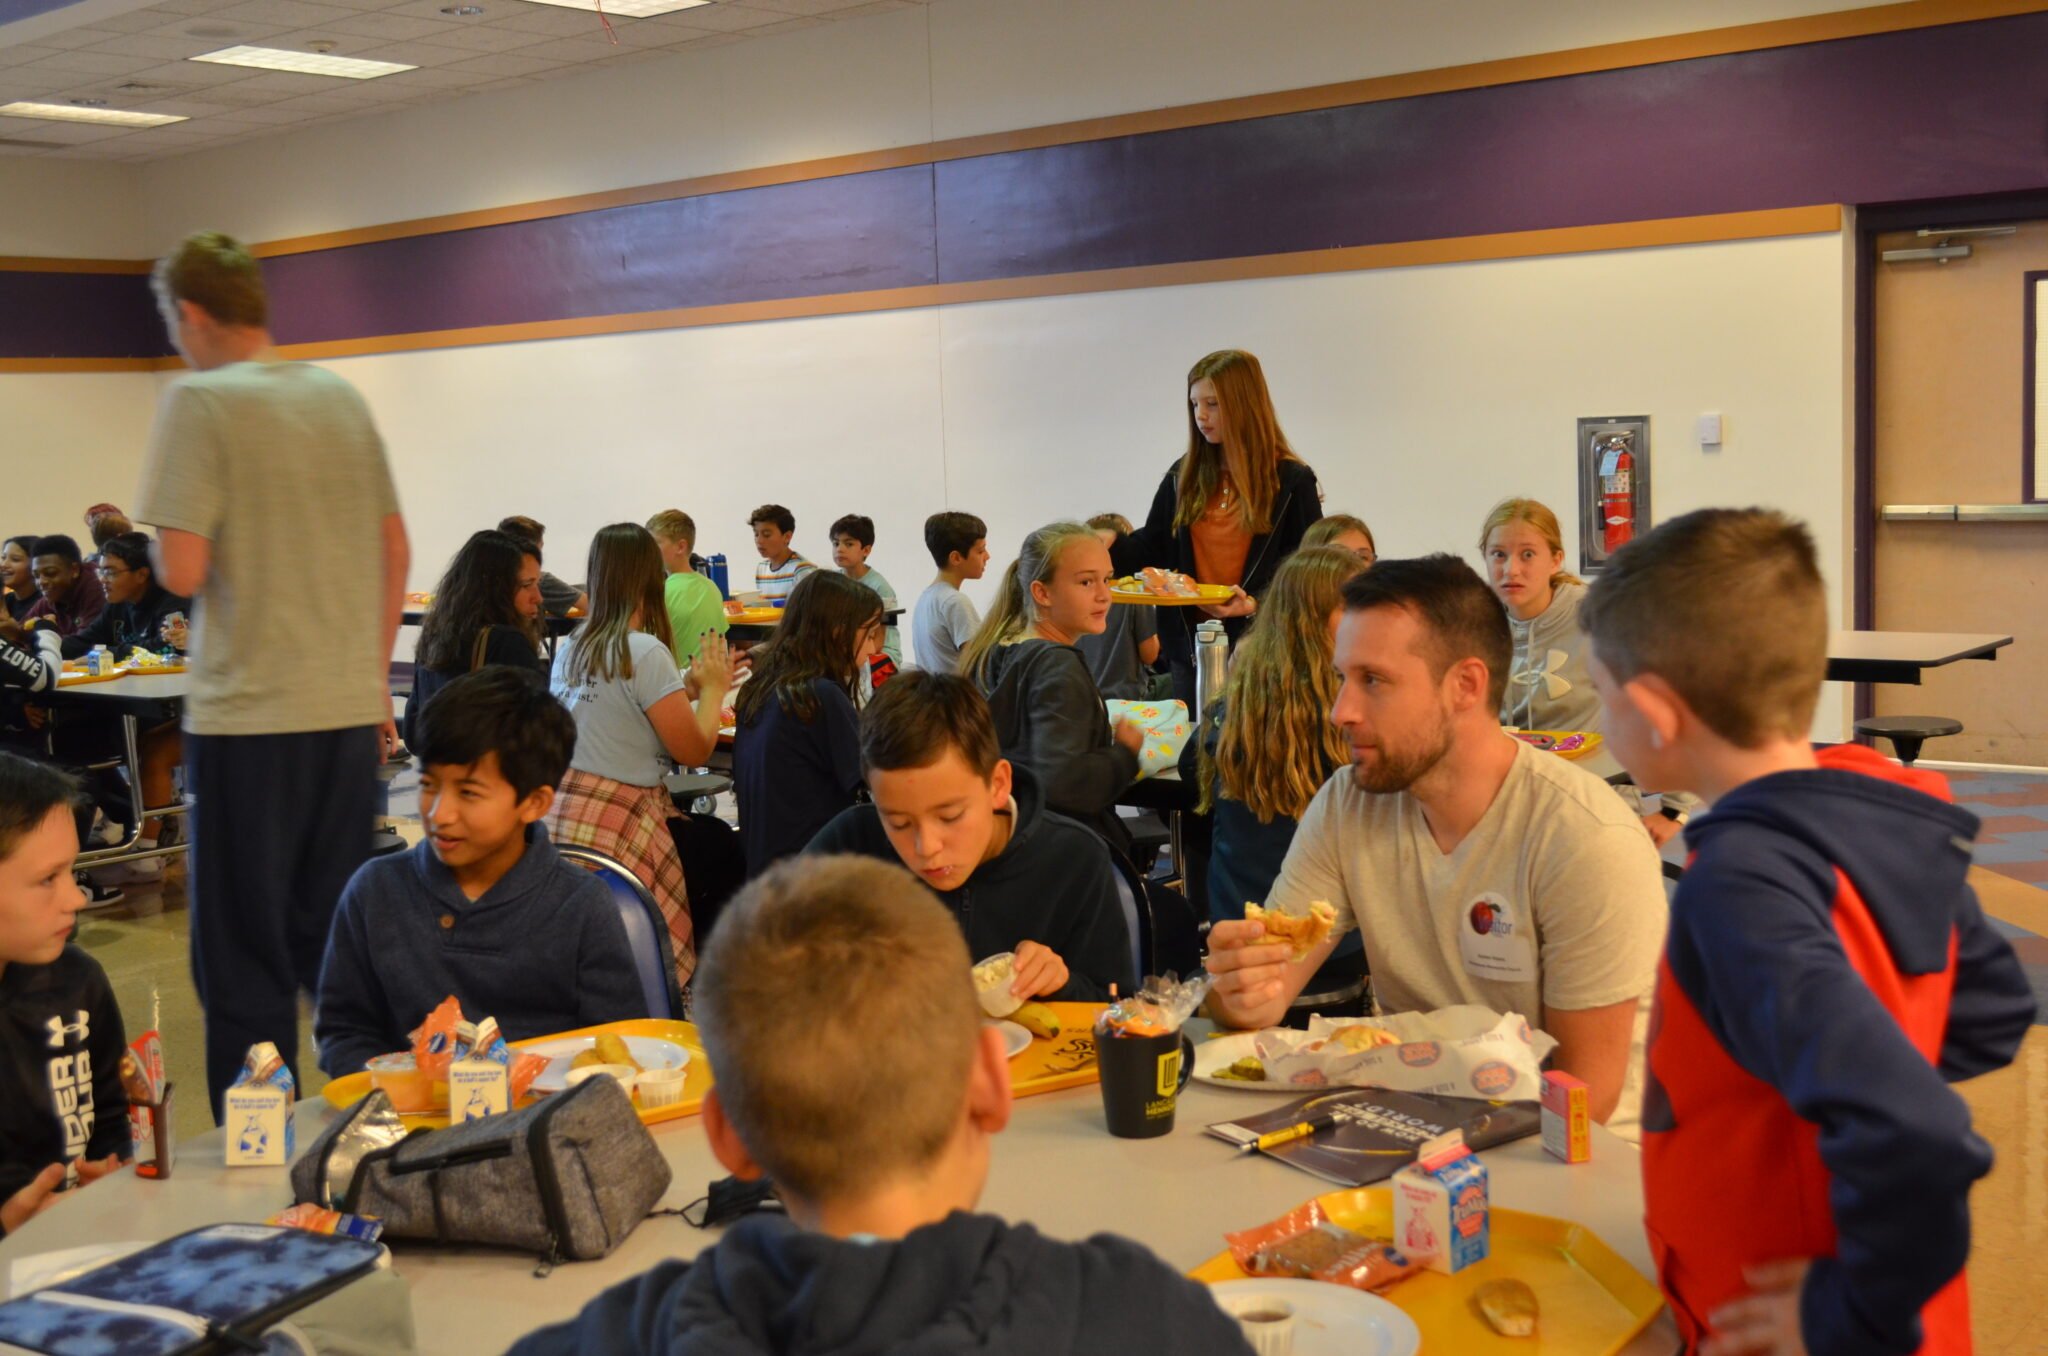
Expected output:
(1548, 686)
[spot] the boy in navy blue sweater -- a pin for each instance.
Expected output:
(483, 908)
(828, 977)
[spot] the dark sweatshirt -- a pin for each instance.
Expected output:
(969, 1283)
(80, 608)
(124, 626)
(1296, 507)
(542, 951)
(1828, 974)
(1051, 884)
(1050, 720)
(503, 645)
(791, 776)
(60, 1067)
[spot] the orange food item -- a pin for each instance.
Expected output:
(433, 1044)
(412, 1093)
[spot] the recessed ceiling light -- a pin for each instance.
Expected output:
(112, 117)
(304, 63)
(628, 9)
(462, 11)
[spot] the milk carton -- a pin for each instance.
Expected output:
(1440, 1210)
(1567, 1128)
(477, 1087)
(258, 1111)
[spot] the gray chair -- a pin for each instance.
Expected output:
(646, 930)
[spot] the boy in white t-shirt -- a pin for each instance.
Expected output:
(1478, 869)
(780, 566)
(944, 620)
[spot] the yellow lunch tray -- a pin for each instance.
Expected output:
(1065, 1061)
(1209, 595)
(79, 677)
(1593, 740)
(754, 616)
(1592, 1302)
(349, 1089)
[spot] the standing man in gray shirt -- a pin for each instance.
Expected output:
(257, 464)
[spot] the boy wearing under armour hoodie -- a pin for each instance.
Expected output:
(880, 1252)
(974, 828)
(63, 1116)
(1828, 973)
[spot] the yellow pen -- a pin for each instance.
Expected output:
(1288, 1134)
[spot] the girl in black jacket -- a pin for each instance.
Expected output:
(1049, 714)
(1230, 510)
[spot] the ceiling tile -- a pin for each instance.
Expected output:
(392, 27)
(500, 64)
(158, 48)
(134, 21)
(23, 55)
(724, 18)
(191, 8)
(575, 51)
(861, 8)
(484, 39)
(661, 31)
(786, 26)
(192, 74)
(343, 43)
(219, 32)
(291, 13)
(73, 38)
(285, 84)
(429, 78)
(546, 20)
(93, 63)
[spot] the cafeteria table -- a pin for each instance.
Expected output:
(1902, 656)
(754, 632)
(154, 697)
(1055, 1167)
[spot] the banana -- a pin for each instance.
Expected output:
(1040, 1020)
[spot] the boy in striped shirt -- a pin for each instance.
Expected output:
(780, 566)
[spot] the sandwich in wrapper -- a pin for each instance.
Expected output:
(1304, 932)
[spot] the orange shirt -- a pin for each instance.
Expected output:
(1220, 541)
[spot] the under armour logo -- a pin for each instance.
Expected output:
(59, 1029)
(1529, 674)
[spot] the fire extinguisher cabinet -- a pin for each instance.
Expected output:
(1614, 486)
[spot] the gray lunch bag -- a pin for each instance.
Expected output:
(566, 1178)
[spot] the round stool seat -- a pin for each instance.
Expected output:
(1908, 733)
(687, 789)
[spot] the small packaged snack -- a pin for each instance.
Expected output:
(433, 1041)
(316, 1219)
(1567, 1128)
(1159, 1008)
(1306, 1244)
(257, 1109)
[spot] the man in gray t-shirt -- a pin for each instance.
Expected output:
(277, 516)
(1476, 869)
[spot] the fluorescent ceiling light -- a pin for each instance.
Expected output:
(628, 9)
(304, 63)
(112, 117)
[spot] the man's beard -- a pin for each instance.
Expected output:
(1394, 773)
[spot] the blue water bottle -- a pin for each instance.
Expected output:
(715, 567)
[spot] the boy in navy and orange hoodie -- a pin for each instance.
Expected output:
(1806, 1167)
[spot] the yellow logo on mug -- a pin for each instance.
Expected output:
(1169, 1072)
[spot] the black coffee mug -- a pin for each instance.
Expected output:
(1141, 1080)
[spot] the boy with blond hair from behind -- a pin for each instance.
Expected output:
(695, 607)
(876, 1124)
(1828, 973)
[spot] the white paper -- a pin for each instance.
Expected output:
(1466, 1051)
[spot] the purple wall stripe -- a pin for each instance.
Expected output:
(79, 315)
(1934, 112)
(849, 234)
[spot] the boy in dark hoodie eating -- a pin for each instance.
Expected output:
(974, 827)
(483, 908)
(1828, 973)
(826, 980)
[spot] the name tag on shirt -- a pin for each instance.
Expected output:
(1497, 942)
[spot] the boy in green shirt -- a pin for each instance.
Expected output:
(694, 604)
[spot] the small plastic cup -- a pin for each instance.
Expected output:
(661, 1087)
(1267, 1323)
(993, 976)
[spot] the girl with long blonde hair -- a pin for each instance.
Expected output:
(1049, 714)
(1266, 746)
(634, 713)
(1549, 686)
(1230, 509)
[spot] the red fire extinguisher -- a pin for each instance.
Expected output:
(1617, 503)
